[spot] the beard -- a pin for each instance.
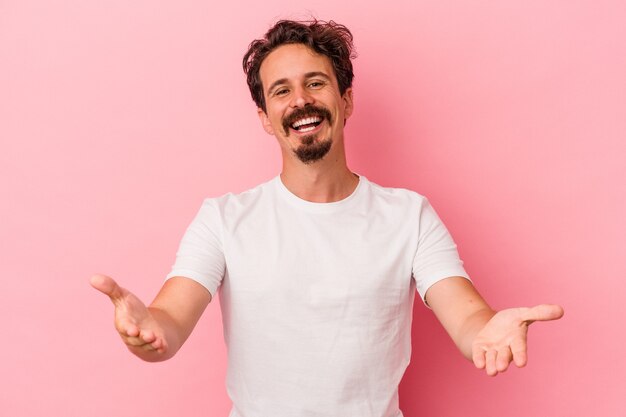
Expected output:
(311, 149)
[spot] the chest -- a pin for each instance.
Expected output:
(319, 258)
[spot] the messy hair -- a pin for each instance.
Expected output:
(326, 38)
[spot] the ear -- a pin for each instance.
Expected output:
(265, 121)
(348, 103)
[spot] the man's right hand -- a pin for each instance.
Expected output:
(134, 322)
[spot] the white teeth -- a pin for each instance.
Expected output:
(306, 129)
(306, 121)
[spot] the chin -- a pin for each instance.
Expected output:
(311, 151)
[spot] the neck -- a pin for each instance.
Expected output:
(324, 181)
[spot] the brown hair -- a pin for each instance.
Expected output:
(326, 38)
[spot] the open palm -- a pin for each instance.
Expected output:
(133, 319)
(503, 339)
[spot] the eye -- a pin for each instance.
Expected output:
(281, 92)
(316, 84)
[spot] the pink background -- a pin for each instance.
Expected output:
(117, 118)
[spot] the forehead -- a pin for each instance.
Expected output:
(292, 62)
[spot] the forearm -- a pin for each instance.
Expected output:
(175, 310)
(460, 309)
(472, 325)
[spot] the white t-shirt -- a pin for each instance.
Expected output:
(317, 298)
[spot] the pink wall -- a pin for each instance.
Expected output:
(117, 118)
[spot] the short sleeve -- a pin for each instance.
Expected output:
(200, 255)
(436, 256)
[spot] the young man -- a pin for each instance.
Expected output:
(317, 268)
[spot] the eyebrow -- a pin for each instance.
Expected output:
(306, 76)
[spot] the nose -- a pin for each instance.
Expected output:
(301, 97)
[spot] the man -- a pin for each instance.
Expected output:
(317, 269)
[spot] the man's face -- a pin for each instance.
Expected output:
(305, 110)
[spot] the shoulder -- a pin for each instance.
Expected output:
(235, 202)
(395, 196)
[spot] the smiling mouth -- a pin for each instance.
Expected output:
(307, 120)
(306, 125)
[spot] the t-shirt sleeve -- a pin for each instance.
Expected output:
(200, 255)
(436, 256)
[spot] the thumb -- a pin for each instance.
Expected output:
(106, 285)
(544, 312)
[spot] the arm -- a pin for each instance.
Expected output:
(155, 333)
(460, 309)
(491, 339)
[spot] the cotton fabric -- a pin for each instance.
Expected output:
(317, 298)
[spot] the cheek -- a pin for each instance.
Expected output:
(277, 124)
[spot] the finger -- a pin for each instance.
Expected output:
(133, 341)
(127, 328)
(543, 312)
(148, 347)
(504, 359)
(490, 358)
(133, 331)
(151, 347)
(135, 344)
(139, 342)
(160, 344)
(478, 357)
(106, 285)
(518, 349)
(147, 335)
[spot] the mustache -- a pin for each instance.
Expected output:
(302, 112)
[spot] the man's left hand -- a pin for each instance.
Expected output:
(503, 339)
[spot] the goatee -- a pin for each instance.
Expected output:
(311, 150)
